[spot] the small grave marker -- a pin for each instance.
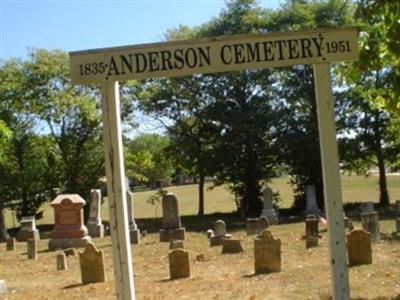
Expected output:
(32, 249)
(267, 253)
(94, 224)
(61, 260)
(92, 265)
(176, 244)
(10, 244)
(231, 246)
(359, 247)
(28, 229)
(268, 208)
(219, 233)
(179, 264)
(311, 231)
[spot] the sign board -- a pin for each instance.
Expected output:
(212, 55)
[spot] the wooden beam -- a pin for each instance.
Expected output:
(332, 184)
(116, 190)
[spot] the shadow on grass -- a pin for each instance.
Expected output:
(71, 286)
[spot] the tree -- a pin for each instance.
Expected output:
(365, 140)
(146, 160)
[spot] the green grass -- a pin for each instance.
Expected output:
(354, 189)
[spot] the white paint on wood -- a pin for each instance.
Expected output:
(212, 55)
(332, 185)
(115, 172)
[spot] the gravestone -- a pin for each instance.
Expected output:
(179, 264)
(92, 264)
(210, 233)
(367, 207)
(219, 233)
(176, 244)
(69, 230)
(231, 246)
(256, 225)
(28, 229)
(171, 221)
(134, 232)
(10, 244)
(94, 224)
(267, 253)
(32, 249)
(348, 223)
(3, 289)
(61, 260)
(359, 247)
(311, 201)
(311, 235)
(370, 223)
(268, 208)
(69, 252)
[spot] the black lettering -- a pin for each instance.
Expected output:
(293, 49)
(318, 43)
(166, 60)
(153, 61)
(126, 63)
(305, 47)
(239, 53)
(191, 53)
(204, 56)
(223, 58)
(112, 67)
(253, 52)
(280, 44)
(179, 61)
(268, 49)
(141, 62)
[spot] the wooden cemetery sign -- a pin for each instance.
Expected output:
(212, 55)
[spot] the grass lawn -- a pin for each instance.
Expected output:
(305, 273)
(354, 188)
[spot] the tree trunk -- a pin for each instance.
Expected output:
(384, 195)
(3, 229)
(201, 195)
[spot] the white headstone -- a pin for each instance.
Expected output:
(94, 224)
(134, 232)
(268, 208)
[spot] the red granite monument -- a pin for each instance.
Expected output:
(69, 230)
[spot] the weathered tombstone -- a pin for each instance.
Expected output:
(219, 233)
(179, 266)
(28, 229)
(311, 201)
(3, 288)
(230, 246)
(69, 230)
(10, 244)
(348, 223)
(311, 235)
(176, 244)
(134, 232)
(210, 233)
(172, 228)
(367, 207)
(61, 260)
(267, 253)
(359, 247)
(32, 249)
(92, 264)
(370, 223)
(256, 225)
(94, 224)
(268, 208)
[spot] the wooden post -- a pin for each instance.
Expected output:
(116, 189)
(332, 185)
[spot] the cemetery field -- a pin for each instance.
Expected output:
(305, 273)
(219, 199)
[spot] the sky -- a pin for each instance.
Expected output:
(87, 24)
